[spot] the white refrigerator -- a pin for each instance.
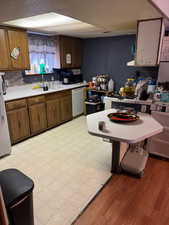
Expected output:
(5, 144)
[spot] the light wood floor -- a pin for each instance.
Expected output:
(131, 201)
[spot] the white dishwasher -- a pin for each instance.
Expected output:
(77, 101)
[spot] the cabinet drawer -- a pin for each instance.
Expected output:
(65, 93)
(16, 104)
(35, 100)
(58, 94)
(52, 96)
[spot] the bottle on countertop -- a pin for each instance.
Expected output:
(45, 87)
(129, 87)
(122, 92)
(151, 86)
(111, 85)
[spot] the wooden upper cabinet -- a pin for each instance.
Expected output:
(4, 51)
(149, 42)
(77, 52)
(11, 38)
(18, 39)
(66, 51)
(69, 52)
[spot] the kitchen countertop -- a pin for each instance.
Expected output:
(133, 132)
(134, 101)
(108, 101)
(25, 91)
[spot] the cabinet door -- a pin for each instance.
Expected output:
(77, 53)
(18, 121)
(18, 39)
(53, 112)
(4, 50)
(66, 51)
(165, 50)
(149, 40)
(37, 115)
(66, 108)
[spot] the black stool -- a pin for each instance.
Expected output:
(17, 191)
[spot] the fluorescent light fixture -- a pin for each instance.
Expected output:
(43, 20)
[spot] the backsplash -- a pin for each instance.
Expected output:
(14, 78)
(18, 78)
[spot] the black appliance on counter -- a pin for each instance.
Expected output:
(69, 76)
(93, 103)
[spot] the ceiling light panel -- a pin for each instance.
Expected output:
(43, 20)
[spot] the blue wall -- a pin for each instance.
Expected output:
(108, 55)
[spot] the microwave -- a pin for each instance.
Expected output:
(69, 76)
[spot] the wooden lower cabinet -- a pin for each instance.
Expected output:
(30, 116)
(18, 121)
(66, 108)
(53, 112)
(37, 116)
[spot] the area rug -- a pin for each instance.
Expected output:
(69, 167)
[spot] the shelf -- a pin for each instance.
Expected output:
(105, 92)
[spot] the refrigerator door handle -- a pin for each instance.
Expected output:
(2, 116)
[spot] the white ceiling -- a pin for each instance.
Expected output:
(104, 17)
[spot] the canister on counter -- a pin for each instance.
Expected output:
(163, 109)
(159, 108)
(143, 108)
(153, 107)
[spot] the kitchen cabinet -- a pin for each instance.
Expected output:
(149, 42)
(59, 107)
(66, 108)
(165, 50)
(18, 39)
(77, 51)
(4, 56)
(13, 39)
(33, 115)
(53, 112)
(18, 120)
(37, 114)
(69, 52)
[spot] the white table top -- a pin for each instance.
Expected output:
(132, 132)
(24, 91)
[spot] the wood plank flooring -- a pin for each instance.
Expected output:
(127, 200)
